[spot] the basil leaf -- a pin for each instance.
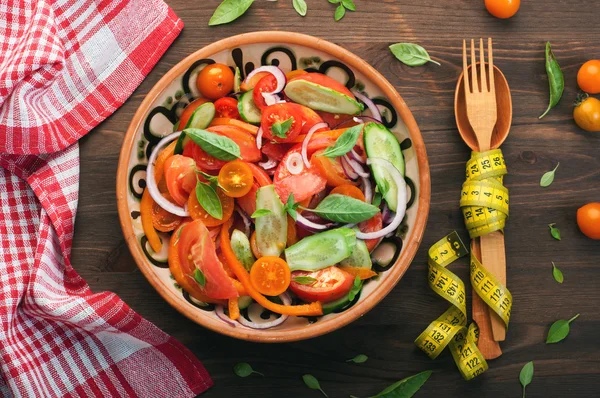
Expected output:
(280, 129)
(199, 277)
(526, 375)
(556, 80)
(360, 358)
(344, 142)
(290, 207)
(411, 54)
(558, 275)
(334, 1)
(244, 369)
(304, 280)
(218, 146)
(349, 4)
(548, 177)
(300, 7)
(356, 286)
(261, 213)
(405, 388)
(208, 199)
(229, 10)
(377, 199)
(340, 11)
(342, 208)
(555, 232)
(312, 383)
(559, 330)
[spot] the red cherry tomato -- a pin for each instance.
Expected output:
(197, 251)
(189, 110)
(215, 81)
(280, 113)
(227, 107)
(331, 284)
(265, 85)
(180, 177)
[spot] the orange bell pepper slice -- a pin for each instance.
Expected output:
(225, 121)
(362, 273)
(146, 206)
(311, 309)
(160, 161)
(234, 308)
(331, 134)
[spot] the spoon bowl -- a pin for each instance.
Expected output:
(504, 108)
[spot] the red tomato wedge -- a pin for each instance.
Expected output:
(227, 107)
(203, 160)
(265, 85)
(331, 284)
(325, 81)
(310, 118)
(197, 251)
(275, 151)
(336, 120)
(280, 113)
(246, 141)
(180, 177)
(373, 224)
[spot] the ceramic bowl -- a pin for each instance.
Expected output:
(159, 112)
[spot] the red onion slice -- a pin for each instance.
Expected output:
(309, 135)
(247, 221)
(348, 170)
(294, 163)
(269, 164)
(367, 189)
(370, 104)
(221, 315)
(268, 324)
(259, 135)
(151, 183)
(402, 197)
(275, 71)
(354, 155)
(358, 169)
(312, 226)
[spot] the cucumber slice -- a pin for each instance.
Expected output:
(340, 305)
(271, 230)
(237, 80)
(244, 302)
(322, 98)
(360, 256)
(321, 250)
(200, 119)
(241, 247)
(248, 110)
(382, 143)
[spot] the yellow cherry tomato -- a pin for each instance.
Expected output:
(587, 114)
(503, 8)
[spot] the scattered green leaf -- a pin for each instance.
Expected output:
(312, 383)
(344, 209)
(556, 80)
(349, 5)
(411, 54)
(280, 129)
(548, 177)
(218, 146)
(300, 7)
(199, 277)
(555, 232)
(340, 11)
(209, 200)
(344, 143)
(356, 286)
(360, 358)
(229, 10)
(261, 213)
(304, 280)
(244, 369)
(558, 275)
(526, 375)
(559, 330)
(405, 388)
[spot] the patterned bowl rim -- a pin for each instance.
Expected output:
(410, 246)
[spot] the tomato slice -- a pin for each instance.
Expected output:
(270, 275)
(325, 81)
(275, 151)
(203, 160)
(332, 169)
(189, 110)
(331, 284)
(227, 107)
(197, 212)
(236, 178)
(267, 84)
(310, 118)
(246, 141)
(373, 224)
(349, 190)
(197, 251)
(337, 120)
(261, 179)
(280, 113)
(180, 177)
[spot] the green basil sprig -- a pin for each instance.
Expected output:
(344, 5)
(344, 209)
(300, 7)
(411, 54)
(218, 146)
(244, 369)
(344, 142)
(526, 375)
(548, 177)
(229, 10)
(559, 330)
(209, 200)
(280, 129)
(405, 388)
(556, 80)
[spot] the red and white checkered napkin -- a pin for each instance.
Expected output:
(65, 65)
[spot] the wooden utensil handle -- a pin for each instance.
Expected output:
(493, 258)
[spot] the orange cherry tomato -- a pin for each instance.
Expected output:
(189, 110)
(588, 77)
(587, 113)
(236, 178)
(215, 81)
(197, 212)
(162, 220)
(270, 275)
(588, 220)
(331, 168)
(349, 190)
(502, 8)
(180, 176)
(254, 245)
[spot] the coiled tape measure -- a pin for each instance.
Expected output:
(484, 203)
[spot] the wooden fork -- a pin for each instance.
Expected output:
(482, 113)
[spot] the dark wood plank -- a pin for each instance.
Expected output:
(571, 368)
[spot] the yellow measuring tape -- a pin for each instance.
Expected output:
(484, 201)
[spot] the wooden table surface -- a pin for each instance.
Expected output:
(568, 369)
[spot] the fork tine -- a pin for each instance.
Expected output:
(474, 68)
(484, 87)
(491, 64)
(465, 69)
